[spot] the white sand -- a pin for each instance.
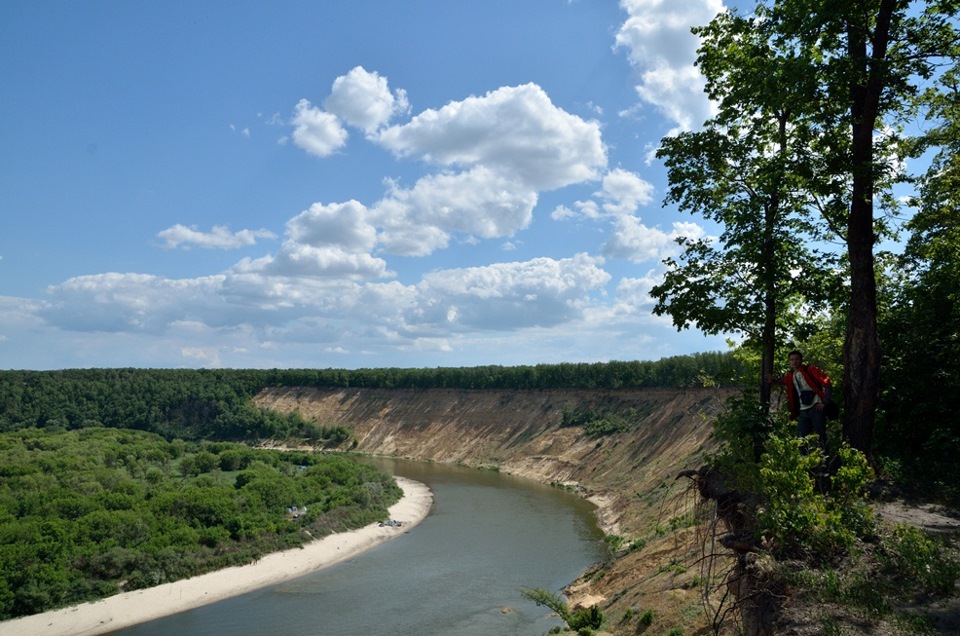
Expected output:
(140, 606)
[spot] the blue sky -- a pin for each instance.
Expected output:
(340, 184)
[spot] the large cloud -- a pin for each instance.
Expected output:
(479, 202)
(115, 302)
(515, 131)
(660, 46)
(327, 241)
(341, 224)
(639, 243)
(539, 292)
(502, 296)
(494, 153)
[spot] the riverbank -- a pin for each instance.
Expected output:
(141, 606)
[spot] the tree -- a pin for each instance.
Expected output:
(745, 170)
(869, 58)
(813, 97)
(920, 330)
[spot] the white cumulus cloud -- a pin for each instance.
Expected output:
(661, 48)
(538, 292)
(479, 202)
(637, 242)
(363, 99)
(515, 131)
(316, 131)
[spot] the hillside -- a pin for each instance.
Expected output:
(629, 475)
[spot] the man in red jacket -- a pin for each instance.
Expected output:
(808, 393)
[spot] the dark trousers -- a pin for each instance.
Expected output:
(812, 421)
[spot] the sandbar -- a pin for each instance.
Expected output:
(139, 606)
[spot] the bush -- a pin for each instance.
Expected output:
(583, 620)
(794, 517)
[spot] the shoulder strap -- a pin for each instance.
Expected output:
(816, 385)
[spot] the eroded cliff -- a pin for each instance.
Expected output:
(629, 475)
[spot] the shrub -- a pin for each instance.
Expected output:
(583, 620)
(794, 516)
(646, 619)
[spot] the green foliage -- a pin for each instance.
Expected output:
(596, 423)
(85, 512)
(743, 428)
(614, 541)
(921, 562)
(585, 620)
(646, 618)
(795, 517)
(920, 333)
(581, 620)
(802, 509)
(903, 568)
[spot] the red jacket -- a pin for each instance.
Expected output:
(816, 379)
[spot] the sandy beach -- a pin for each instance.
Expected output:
(140, 606)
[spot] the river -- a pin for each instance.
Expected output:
(458, 572)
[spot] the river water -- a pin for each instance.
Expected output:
(458, 572)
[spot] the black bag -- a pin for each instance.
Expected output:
(806, 397)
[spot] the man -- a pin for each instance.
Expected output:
(808, 393)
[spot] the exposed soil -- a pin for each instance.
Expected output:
(929, 517)
(630, 476)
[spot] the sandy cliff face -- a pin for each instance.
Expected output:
(520, 432)
(629, 475)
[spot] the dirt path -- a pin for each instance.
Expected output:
(929, 517)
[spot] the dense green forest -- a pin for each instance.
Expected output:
(90, 512)
(216, 404)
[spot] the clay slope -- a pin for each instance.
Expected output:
(520, 432)
(629, 475)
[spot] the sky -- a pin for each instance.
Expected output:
(425, 183)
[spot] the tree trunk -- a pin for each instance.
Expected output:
(861, 349)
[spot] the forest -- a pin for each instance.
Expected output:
(91, 512)
(197, 404)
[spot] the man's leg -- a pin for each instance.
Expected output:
(818, 421)
(804, 423)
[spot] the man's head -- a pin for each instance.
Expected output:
(796, 359)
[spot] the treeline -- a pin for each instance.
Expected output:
(676, 371)
(176, 403)
(86, 514)
(217, 404)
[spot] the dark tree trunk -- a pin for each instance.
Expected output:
(861, 349)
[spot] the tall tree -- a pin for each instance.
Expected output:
(813, 98)
(869, 58)
(745, 170)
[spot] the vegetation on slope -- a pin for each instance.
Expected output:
(801, 525)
